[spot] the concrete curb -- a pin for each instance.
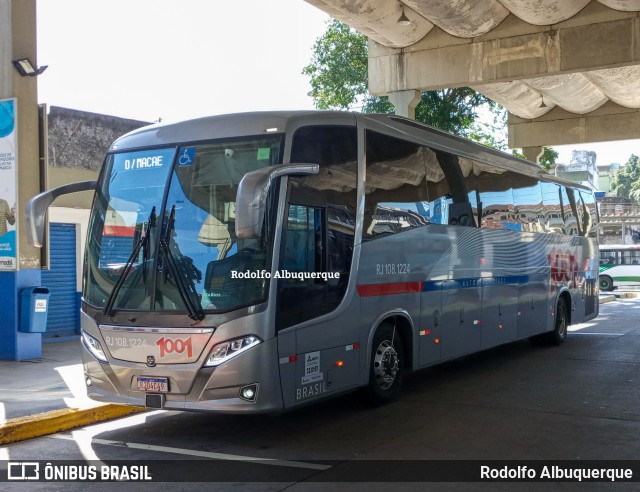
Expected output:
(43, 424)
(605, 299)
(625, 295)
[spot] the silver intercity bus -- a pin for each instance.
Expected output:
(262, 261)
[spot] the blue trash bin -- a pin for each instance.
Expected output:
(34, 305)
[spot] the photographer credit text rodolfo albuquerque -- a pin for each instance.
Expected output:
(285, 274)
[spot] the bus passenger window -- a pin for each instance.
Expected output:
(570, 212)
(405, 187)
(498, 210)
(461, 214)
(497, 197)
(553, 219)
(527, 198)
(590, 218)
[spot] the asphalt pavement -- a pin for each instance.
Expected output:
(47, 395)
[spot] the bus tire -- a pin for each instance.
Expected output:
(559, 333)
(386, 368)
(606, 283)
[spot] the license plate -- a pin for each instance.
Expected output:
(159, 385)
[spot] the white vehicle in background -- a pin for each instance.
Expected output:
(619, 266)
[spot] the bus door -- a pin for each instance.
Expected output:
(318, 345)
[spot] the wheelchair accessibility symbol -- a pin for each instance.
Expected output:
(187, 156)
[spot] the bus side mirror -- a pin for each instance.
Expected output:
(251, 198)
(38, 205)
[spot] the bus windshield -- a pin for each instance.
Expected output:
(162, 231)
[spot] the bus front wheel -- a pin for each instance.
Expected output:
(386, 366)
(606, 283)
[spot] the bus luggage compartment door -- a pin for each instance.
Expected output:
(430, 323)
(499, 310)
(461, 322)
(307, 374)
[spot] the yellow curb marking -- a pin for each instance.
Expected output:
(44, 424)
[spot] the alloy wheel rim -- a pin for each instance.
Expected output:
(386, 364)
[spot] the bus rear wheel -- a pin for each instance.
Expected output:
(559, 333)
(606, 283)
(386, 366)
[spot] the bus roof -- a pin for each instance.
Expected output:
(270, 122)
(206, 128)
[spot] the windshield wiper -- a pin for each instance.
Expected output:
(186, 291)
(141, 243)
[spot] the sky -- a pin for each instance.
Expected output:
(175, 60)
(150, 59)
(606, 152)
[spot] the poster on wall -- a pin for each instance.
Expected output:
(8, 143)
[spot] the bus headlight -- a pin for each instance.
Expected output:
(93, 346)
(224, 351)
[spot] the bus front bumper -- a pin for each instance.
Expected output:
(212, 389)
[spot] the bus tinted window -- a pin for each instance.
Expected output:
(201, 236)
(527, 199)
(569, 212)
(553, 220)
(497, 204)
(405, 187)
(327, 146)
(590, 218)
(126, 208)
(492, 188)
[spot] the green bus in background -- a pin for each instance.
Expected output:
(619, 266)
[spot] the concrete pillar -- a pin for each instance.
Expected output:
(533, 153)
(21, 175)
(405, 102)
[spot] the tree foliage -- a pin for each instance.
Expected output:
(548, 158)
(626, 182)
(338, 67)
(339, 80)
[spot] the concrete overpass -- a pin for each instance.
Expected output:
(568, 71)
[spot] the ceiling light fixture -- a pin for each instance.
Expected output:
(542, 104)
(403, 20)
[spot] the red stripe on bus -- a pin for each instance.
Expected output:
(370, 290)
